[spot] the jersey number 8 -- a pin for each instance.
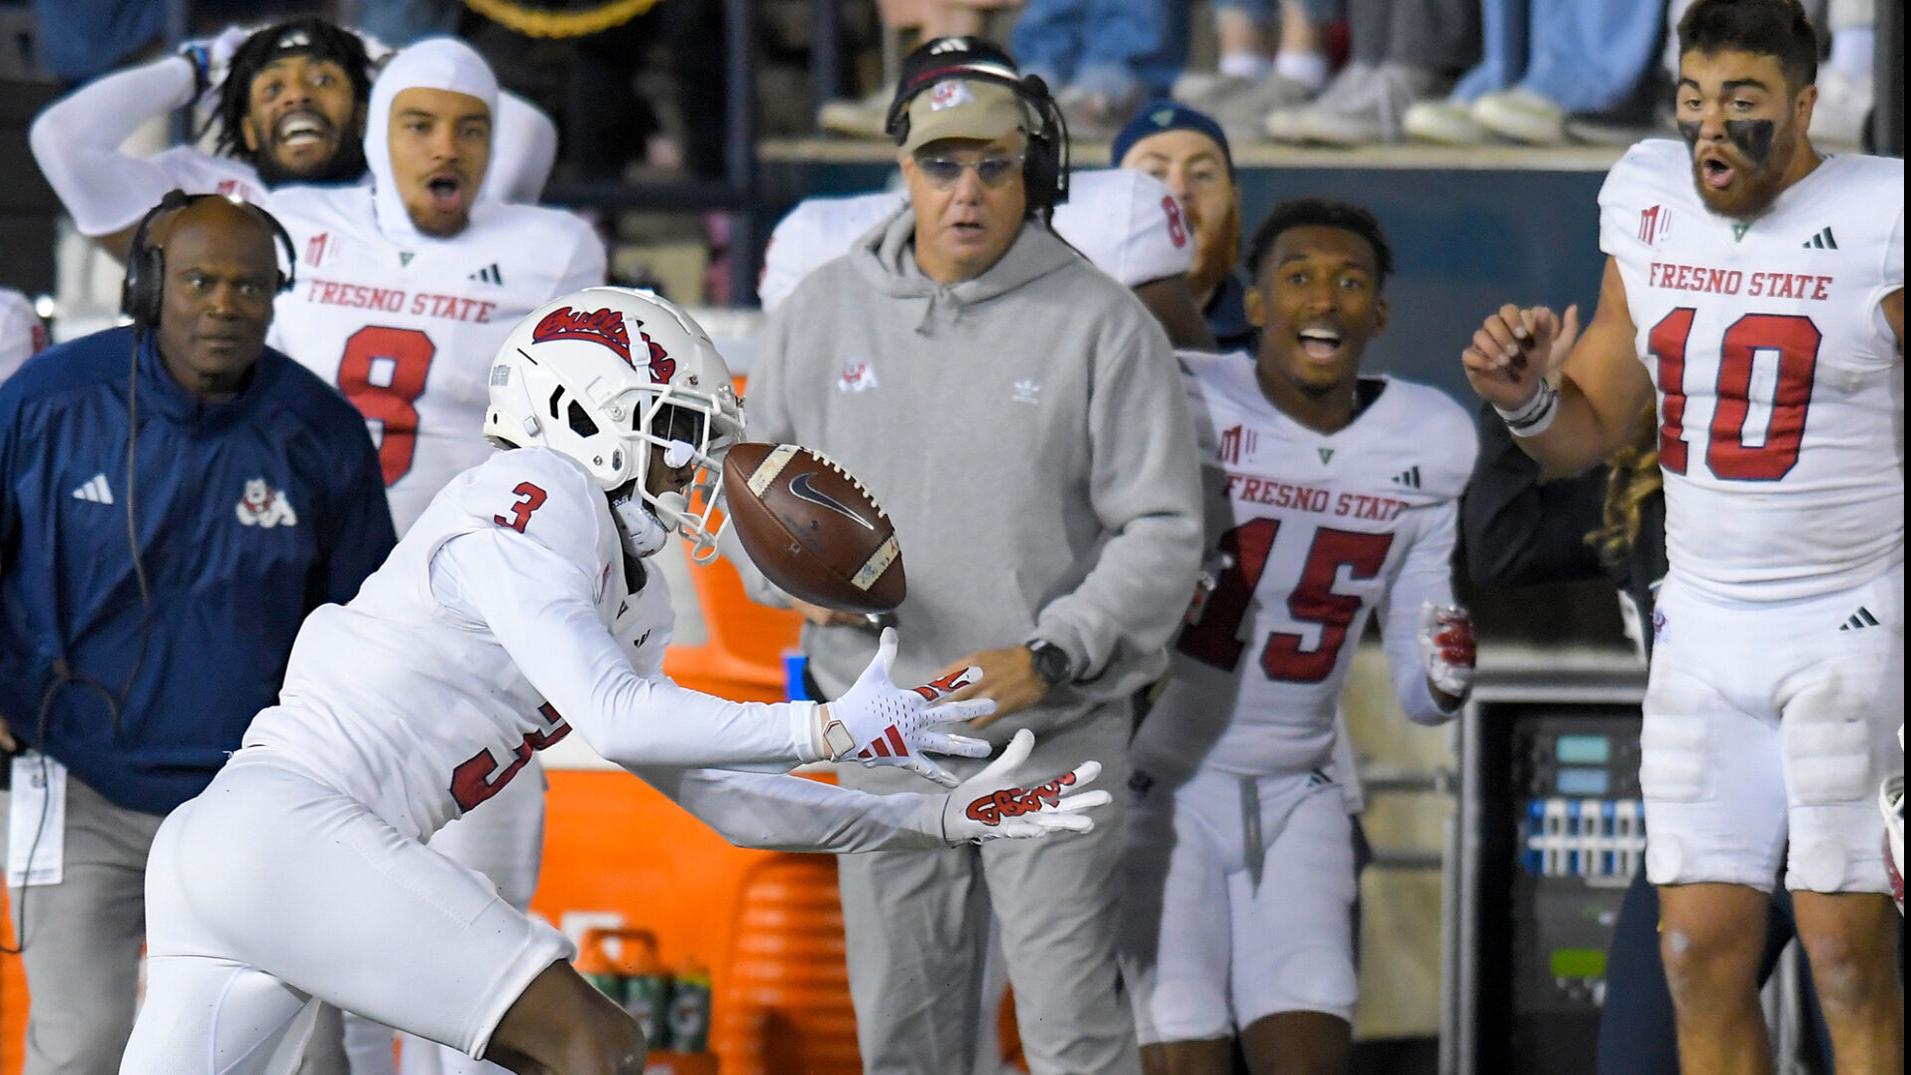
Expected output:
(383, 373)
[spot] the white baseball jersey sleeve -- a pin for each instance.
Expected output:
(1780, 387)
(408, 331)
(485, 637)
(1310, 535)
(816, 231)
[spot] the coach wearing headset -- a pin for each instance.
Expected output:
(174, 498)
(1020, 417)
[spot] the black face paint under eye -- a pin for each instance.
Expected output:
(1753, 137)
(1690, 132)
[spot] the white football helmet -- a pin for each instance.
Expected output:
(1891, 802)
(602, 376)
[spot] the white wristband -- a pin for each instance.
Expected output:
(1536, 415)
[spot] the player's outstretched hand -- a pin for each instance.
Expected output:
(879, 723)
(991, 806)
(1510, 354)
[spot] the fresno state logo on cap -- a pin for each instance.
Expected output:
(605, 327)
(949, 93)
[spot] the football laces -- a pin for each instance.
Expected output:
(854, 482)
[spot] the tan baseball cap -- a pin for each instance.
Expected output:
(963, 108)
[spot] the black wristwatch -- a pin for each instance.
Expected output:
(1052, 662)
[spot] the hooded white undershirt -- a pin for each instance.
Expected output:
(438, 63)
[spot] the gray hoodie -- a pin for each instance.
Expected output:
(1027, 433)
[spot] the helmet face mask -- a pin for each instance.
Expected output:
(606, 375)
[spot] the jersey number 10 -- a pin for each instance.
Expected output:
(1215, 638)
(1795, 340)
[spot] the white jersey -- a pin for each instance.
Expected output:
(1124, 221)
(22, 335)
(486, 636)
(407, 330)
(1310, 535)
(1781, 392)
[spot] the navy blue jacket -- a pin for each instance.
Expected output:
(1226, 314)
(251, 512)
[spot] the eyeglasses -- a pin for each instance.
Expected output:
(944, 172)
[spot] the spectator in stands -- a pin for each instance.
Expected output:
(931, 19)
(1403, 51)
(134, 666)
(1103, 57)
(1062, 584)
(1247, 84)
(22, 333)
(1585, 56)
(1522, 529)
(1189, 152)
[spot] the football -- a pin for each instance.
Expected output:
(812, 528)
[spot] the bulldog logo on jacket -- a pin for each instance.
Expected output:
(265, 507)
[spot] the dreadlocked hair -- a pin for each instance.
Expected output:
(1632, 478)
(327, 41)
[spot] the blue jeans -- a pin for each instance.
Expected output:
(1584, 55)
(1122, 49)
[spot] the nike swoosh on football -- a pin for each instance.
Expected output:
(801, 488)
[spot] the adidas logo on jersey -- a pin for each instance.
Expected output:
(1859, 620)
(1821, 241)
(488, 275)
(1409, 477)
(94, 490)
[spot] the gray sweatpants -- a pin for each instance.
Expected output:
(81, 940)
(917, 929)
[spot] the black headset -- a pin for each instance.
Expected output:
(144, 289)
(1045, 168)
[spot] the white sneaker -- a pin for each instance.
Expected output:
(1523, 116)
(1446, 121)
(1365, 113)
(1238, 104)
(1843, 102)
(1345, 91)
(857, 119)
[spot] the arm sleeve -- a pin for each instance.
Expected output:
(359, 532)
(789, 813)
(1518, 531)
(538, 605)
(76, 141)
(1426, 575)
(526, 148)
(1144, 484)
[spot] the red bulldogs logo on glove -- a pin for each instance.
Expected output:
(990, 809)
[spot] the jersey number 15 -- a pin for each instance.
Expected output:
(1215, 638)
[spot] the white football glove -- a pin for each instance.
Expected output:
(879, 723)
(1446, 648)
(990, 806)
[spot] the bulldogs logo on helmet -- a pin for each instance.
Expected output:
(566, 380)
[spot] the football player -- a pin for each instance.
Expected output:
(485, 637)
(406, 286)
(1332, 500)
(1756, 288)
(288, 107)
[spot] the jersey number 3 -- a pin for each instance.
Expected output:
(1794, 340)
(1215, 639)
(383, 374)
